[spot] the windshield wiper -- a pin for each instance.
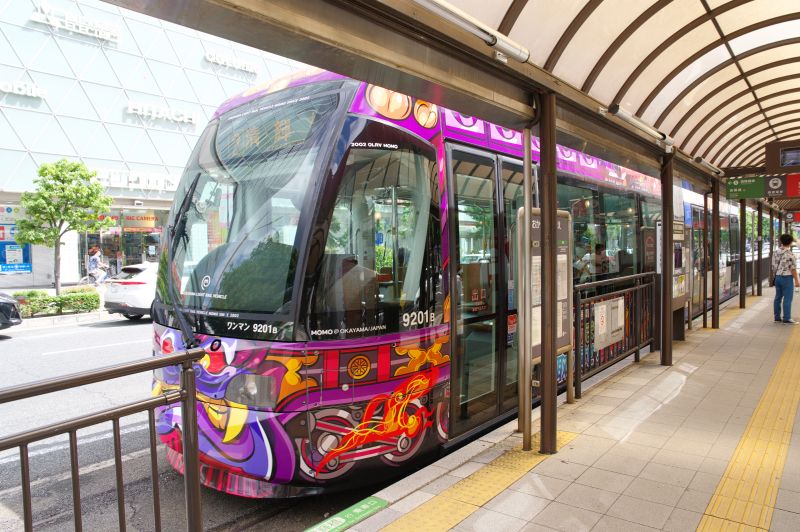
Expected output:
(179, 230)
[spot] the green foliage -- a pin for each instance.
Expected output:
(29, 294)
(39, 303)
(383, 257)
(79, 302)
(67, 198)
(83, 288)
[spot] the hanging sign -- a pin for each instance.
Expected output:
(787, 186)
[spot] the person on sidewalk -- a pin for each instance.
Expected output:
(785, 267)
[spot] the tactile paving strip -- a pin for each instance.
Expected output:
(456, 503)
(745, 497)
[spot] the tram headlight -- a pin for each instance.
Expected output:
(388, 103)
(425, 113)
(252, 390)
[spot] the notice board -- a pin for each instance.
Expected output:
(563, 248)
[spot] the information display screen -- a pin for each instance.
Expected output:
(790, 156)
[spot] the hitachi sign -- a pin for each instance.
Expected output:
(162, 113)
(22, 88)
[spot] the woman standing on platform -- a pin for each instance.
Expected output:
(784, 265)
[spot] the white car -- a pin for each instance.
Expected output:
(131, 292)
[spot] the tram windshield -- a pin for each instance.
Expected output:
(249, 176)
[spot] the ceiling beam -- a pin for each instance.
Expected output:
(389, 43)
(738, 171)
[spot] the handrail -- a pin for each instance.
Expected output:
(185, 393)
(30, 436)
(81, 378)
(615, 280)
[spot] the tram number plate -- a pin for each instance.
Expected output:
(419, 318)
(243, 326)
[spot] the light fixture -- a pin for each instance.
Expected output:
(496, 40)
(707, 165)
(625, 116)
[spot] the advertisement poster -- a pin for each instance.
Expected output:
(14, 258)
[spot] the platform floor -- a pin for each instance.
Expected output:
(710, 443)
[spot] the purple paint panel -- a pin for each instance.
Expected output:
(407, 113)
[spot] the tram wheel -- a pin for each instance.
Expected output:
(407, 446)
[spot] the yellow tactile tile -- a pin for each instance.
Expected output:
(439, 513)
(457, 502)
(745, 496)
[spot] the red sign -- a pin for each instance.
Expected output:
(793, 185)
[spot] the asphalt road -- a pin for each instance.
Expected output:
(33, 354)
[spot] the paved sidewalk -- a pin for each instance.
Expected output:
(712, 442)
(65, 319)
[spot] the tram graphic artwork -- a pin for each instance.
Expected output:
(343, 256)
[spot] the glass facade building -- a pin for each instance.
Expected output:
(125, 93)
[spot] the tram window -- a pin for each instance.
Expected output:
(249, 175)
(604, 226)
(514, 199)
(380, 271)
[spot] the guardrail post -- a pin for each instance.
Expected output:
(191, 463)
(637, 303)
(742, 258)
(715, 230)
(759, 242)
(578, 364)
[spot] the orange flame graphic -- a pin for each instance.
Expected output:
(395, 419)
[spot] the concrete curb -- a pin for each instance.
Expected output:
(64, 319)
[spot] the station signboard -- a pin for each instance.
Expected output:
(14, 257)
(786, 186)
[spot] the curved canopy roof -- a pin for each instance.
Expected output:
(722, 77)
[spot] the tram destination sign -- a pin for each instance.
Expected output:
(787, 186)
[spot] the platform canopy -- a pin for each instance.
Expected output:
(722, 77)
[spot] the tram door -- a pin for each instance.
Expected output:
(480, 386)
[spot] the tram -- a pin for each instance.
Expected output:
(344, 254)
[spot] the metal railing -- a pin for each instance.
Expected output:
(185, 394)
(638, 293)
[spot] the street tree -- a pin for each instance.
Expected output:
(67, 198)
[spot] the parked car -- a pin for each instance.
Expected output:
(131, 292)
(9, 311)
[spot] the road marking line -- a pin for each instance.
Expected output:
(746, 494)
(49, 448)
(91, 468)
(89, 347)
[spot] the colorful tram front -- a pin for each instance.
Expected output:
(310, 264)
(320, 229)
